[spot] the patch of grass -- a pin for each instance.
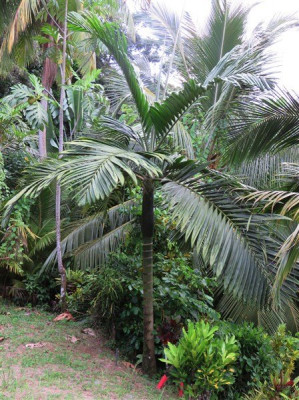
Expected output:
(61, 369)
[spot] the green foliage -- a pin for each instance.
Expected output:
(202, 361)
(13, 245)
(41, 289)
(265, 364)
(286, 348)
(257, 360)
(28, 100)
(128, 115)
(113, 293)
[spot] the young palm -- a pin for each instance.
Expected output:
(207, 215)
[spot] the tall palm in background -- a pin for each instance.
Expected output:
(201, 201)
(197, 50)
(37, 26)
(26, 21)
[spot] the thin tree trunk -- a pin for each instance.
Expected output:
(148, 361)
(48, 76)
(61, 268)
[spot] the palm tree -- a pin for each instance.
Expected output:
(204, 211)
(197, 51)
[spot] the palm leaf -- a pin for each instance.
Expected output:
(95, 253)
(230, 238)
(96, 169)
(264, 124)
(270, 170)
(86, 236)
(116, 43)
(24, 15)
(92, 170)
(163, 116)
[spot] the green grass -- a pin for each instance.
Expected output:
(61, 369)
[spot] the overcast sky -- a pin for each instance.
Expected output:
(287, 48)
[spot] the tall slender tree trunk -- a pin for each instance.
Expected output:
(147, 225)
(61, 268)
(48, 77)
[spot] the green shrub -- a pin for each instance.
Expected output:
(256, 362)
(41, 289)
(202, 361)
(113, 295)
(265, 363)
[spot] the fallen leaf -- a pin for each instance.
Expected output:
(64, 316)
(128, 365)
(89, 331)
(132, 366)
(2, 338)
(72, 339)
(34, 345)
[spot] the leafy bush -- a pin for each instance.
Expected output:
(113, 295)
(286, 349)
(265, 363)
(256, 361)
(201, 360)
(41, 289)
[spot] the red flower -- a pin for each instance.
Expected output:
(162, 382)
(181, 390)
(290, 383)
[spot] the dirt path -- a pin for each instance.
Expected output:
(60, 361)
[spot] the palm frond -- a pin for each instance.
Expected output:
(233, 241)
(289, 201)
(84, 237)
(92, 170)
(23, 16)
(95, 169)
(288, 257)
(182, 140)
(163, 116)
(271, 170)
(231, 308)
(268, 123)
(95, 253)
(116, 43)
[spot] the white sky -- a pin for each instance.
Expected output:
(287, 49)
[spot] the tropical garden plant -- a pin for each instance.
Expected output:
(201, 361)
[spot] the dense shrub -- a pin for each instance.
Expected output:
(113, 295)
(201, 361)
(256, 361)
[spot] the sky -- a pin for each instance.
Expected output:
(286, 50)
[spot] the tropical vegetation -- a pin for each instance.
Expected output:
(149, 186)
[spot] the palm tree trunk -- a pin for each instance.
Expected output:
(148, 361)
(48, 76)
(61, 268)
